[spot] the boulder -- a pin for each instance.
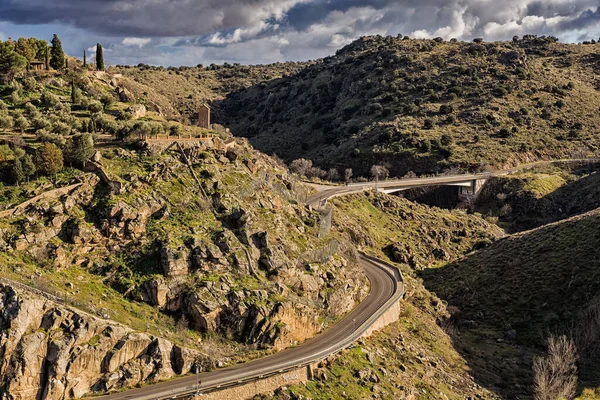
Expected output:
(137, 111)
(174, 262)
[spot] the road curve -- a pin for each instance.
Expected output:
(386, 288)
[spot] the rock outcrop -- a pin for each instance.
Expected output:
(48, 351)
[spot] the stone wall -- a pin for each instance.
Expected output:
(266, 385)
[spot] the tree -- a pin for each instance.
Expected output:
(175, 130)
(99, 57)
(348, 174)
(16, 173)
(333, 174)
(24, 49)
(47, 59)
(80, 148)
(66, 62)
(50, 159)
(75, 93)
(6, 122)
(379, 172)
(555, 375)
(22, 124)
(84, 59)
(57, 56)
(10, 60)
(28, 166)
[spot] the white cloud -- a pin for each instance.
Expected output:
(139, 42)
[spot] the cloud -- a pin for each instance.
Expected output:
(143, 18)
(176, 32)
(139, 42)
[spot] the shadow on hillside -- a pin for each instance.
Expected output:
(526, 212)
(507, 298)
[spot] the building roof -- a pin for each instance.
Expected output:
(205, 105)
(36, 62)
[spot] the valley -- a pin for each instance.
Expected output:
(407, 218)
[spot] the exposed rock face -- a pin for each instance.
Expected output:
(51, 352)
(137, 111)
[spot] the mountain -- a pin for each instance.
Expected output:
(427, 105)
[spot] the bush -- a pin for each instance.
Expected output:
(95, 106)
(49, 100)
(446, 140)
(30, 108)
(301, 166)
(555, 375)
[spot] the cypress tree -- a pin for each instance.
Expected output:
(66, 63)
(99, 58)
(57, 59)
(84, 59)
(47, 58)
(29, 168)
(75, 93)
(17, 175)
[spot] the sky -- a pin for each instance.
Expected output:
(191, 32)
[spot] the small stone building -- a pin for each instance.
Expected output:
(204, 116)
(36, 65)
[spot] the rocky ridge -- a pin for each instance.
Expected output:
(50, 351)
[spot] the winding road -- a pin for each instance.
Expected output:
(386, 288)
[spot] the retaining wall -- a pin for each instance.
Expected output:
(266, 385)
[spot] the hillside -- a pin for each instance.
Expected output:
(509, 297)
(204, 251)
(186, 88)
(415, 357)
(427, 105)
(540, 196)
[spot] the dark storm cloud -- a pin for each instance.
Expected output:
(153, 18)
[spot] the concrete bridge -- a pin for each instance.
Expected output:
(469, 186)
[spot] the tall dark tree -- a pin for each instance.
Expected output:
(75, 93)
(47, 58)
(57, 59)
(84, 59)
(16, 173)
(99, 57)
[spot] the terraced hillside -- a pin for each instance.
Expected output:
(427, 105)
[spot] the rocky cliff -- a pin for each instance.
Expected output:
(217, 241)
(49, 351)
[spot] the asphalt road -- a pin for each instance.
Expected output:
(385, 289)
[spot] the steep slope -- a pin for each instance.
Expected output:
(427, 105)
(414, 357)
(509, 297)
(188, 87)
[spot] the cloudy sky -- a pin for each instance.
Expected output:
(189, 32)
